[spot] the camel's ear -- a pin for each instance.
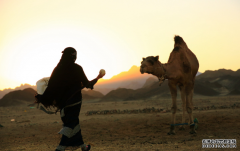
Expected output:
(144, 59)
(156, 58)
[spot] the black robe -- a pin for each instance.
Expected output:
(65, 82)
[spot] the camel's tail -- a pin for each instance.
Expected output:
(178, 40)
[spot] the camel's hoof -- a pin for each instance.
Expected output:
(193, 132)
(182, 128)
(171, 133)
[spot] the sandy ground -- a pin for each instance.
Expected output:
(34, 130)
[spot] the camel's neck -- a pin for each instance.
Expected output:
(163, 71)
(159, 70)
(168, 67)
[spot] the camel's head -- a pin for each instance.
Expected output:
(149, 64)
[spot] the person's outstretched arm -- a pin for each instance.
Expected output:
(86, 83)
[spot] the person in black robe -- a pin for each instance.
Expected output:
(64, 92)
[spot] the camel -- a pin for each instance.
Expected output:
(180, 70)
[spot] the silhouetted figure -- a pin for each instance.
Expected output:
(64, 92)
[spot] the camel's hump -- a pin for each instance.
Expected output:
(178, 40)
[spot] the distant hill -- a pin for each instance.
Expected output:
(225, 82)
(21, 97)
(131, 79)
(209, 83)
(234, 92)
(151, 88)
(132, 85)
(208, 74)
(21, 87)
(198, 73)
(202, 89)
(150, 81)
(91, 94)
(236, 88)
(18, 97)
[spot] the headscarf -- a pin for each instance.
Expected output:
(69, 57)
(59, 78)
(67, 60)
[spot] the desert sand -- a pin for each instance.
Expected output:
(34, 130)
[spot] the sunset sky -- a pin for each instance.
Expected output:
(113, 34)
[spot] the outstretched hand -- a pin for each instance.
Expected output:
(101, 74)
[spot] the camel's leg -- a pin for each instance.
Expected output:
(189, 92)
(173, 89)
(183, 97)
